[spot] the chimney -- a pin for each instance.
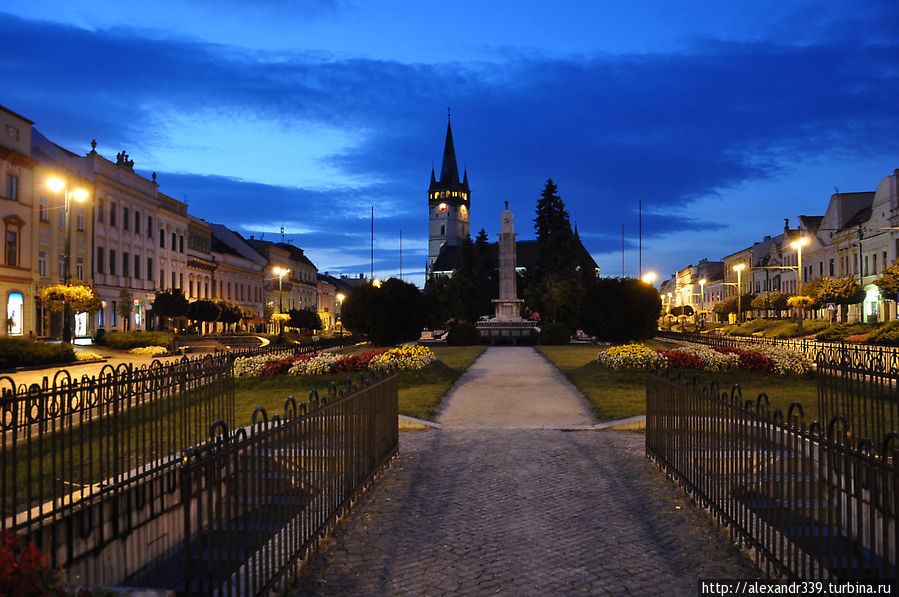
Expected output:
(786, 224)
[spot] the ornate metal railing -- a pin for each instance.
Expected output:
(255, 500)
(812, 502)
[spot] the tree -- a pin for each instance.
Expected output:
(305, 319)
(125, 307)
(841, 291)
(445, 298)
(555, 239)
(203, 311)
(888, 282)
(229, 312)
(561, 300)
(80, 298)
(770, 302)
(620, 309)
(170, 303)
(390, 314)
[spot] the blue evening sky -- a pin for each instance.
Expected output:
(724, 118)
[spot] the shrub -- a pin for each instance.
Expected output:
(20, 352)
(887, 334)
(620, 309)
(136, 338)
(555, 334)
(87, 356)
(631, 357)
(839, 331)
(463, 334)
(100, 337)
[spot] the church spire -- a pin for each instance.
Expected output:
(449, 173)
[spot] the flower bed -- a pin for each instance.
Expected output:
(763, 358)
(631, 357)
(405, 357)
(149, 351)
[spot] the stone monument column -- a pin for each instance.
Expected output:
(508, 306)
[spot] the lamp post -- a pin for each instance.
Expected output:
(702, 298)
(739, 269)
(649, 278)
(340, 297)
(280, 272)
(56, 185)
(798, 244)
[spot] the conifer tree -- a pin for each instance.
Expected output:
(555, 239)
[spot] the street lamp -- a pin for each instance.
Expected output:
(702, 295)
(338, 323)
(649, 277)
(798, 244)
(739, 269)
(56, 185)
(280, 272)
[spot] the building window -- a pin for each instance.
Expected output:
(174, 279)
(61, 267)
(101, 207)
(874, 263)
(126, 264)
(190, 289)
(884, 266)
(100, 264)
(149, 268)
(112, 262)
(161, 279)
(111, 213)
(12, 187)
(80, 219)
(43, 213)
(180, 244)
(174, 238)
(150, 226)
(113, 313)
(79, 269)
(12, 247)
(42, 264)
(137, 267)
(831, 268)
(161, 238)
(820, 268)
(125, 214)
(866, 266)
(136, 222)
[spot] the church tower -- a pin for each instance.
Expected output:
(449, 202)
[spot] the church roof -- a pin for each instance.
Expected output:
(449, 170)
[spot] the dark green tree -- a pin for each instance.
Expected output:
(841, 291)
(888, 282)
(620, 309)
(169, 304)
(305, 319)
(229, 313)
(203, 311)
(561, 299)
(445, 298)
(389, 314)
(555, 239)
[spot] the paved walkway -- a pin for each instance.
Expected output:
(490, 504)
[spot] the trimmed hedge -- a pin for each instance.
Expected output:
(463, 334)
(554, 334)
(137, 338)
(21, 352)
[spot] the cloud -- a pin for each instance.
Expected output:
(667, 128)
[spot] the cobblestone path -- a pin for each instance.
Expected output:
(511, 511)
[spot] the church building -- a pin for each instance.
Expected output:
(449, 213)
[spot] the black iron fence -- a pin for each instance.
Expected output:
(85, 461)
(888, 355)
(256, 500)
(810, 501)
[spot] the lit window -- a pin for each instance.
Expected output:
(442, 207)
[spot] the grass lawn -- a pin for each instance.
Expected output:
(620, 394)
(420, 392)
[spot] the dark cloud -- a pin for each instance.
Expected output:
(664, 128)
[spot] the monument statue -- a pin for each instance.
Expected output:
(507, 325)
